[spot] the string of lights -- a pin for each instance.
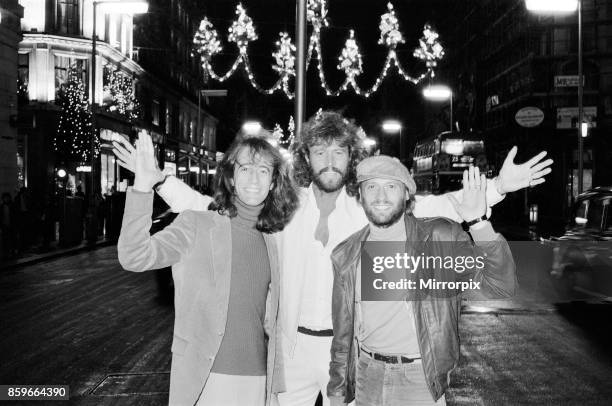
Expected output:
(75, 127)
(242, 32)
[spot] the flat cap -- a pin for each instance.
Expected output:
(385, 167)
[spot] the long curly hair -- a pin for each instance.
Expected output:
(326, 127)
(281, 202)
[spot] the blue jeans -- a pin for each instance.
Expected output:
(382, 384)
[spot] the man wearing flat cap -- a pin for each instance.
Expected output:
(401, 351)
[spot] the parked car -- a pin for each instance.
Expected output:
(582, 256)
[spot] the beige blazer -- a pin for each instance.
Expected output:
(198, 247)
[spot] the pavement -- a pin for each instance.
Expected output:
(38, 254)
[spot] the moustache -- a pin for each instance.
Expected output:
(332, 169)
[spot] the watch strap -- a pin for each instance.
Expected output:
(161, 182)
(476, 220)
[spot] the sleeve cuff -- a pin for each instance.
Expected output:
(483, 233)
(138, 202)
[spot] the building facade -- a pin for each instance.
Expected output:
(131, 95)
(10, 36)
(503, 58)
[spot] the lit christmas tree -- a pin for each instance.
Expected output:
(72, 140)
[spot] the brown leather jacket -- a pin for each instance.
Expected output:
(436, 320)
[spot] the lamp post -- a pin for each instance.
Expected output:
(107, 7)
(560, 7)
(251, 127)
(440, 93)
(392, 127)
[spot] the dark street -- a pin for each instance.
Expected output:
(82, 321)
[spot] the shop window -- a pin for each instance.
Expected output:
(108, 172)
(23, 77)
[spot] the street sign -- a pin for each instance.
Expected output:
(567, 117)
(567, 81)
(529, 117)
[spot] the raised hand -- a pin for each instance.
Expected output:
(125, 153)
(146, 171)
(474, 203)
(513, 177)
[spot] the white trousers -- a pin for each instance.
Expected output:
(307, 372)
(233, 390)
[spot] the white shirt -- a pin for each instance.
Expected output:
(316, 295)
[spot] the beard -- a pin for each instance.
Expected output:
(387, 219)
(328, 186)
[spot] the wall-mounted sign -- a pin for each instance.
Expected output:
(567, 81)
(529, 117)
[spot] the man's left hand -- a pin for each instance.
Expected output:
(474, 203)
(513, 177)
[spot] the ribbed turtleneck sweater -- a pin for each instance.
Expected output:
(243, 348)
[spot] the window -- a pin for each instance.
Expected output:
(108, 172)
(155, 112)
(23, 77)
(63, 65)
(168, 119)
(67, 17)
(561, 41)
(589, 214)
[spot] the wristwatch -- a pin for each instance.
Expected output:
(161, 182)
(476, 220)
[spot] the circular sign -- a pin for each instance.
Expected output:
(529, 117)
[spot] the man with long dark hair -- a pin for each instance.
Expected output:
(226, 348)
(325, 157)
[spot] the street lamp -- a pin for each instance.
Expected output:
(106, 7)
(440, 93)
(559, 7)
(251, 127)
(392, 127)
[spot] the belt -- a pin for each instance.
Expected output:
(316, 333)
(389, 359)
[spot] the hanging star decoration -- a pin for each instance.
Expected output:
(242, 30)
(206, 42)
(430, 50)
(316, 14)
(278, 133)
(284, 56)
(350, 60)
(288, 142)
(390, 34)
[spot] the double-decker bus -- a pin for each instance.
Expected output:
(439, 162)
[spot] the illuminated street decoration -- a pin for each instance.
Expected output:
(242, 32)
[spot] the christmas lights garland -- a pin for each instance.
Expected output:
(72, 140)
(242, 32)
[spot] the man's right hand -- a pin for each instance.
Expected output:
(146, 171)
